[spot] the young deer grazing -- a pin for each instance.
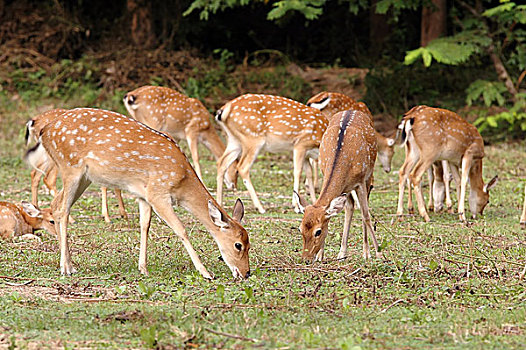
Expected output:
(433, 134)
(180, 116)
(331, 103)
(92, 145)
(24, 219)
(523, 216)
(347, 156)
(273, 123)
(44, 166)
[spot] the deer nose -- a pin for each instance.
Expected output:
(247, 275)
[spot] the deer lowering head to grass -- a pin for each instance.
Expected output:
(181, 117)
(92, 145)
(347, 156)
(44, 166)
(433, 134)
(331, 103)
(264, 122)
(24, 219)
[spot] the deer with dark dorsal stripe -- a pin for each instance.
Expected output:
(92, 145)
(347, 156)
(433, 134)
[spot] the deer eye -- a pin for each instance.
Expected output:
(317, 233)
(238, 246)
(52, 222)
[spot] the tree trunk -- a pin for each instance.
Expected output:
(502, 72)
(378, 30)
(433, 21)
(141, 23)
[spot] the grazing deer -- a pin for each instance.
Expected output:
(180, 116)
(273, 123)
(44, 166)
(331, 103)
(523, 216)
(347, 155)
(433, 134)
(24, 219)
(93, 145)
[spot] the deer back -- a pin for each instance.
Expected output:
(166, 110)
(443, 131)
(273, 118)
(347, 154)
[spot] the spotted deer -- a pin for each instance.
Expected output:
(93, 145)
(433, 134)
(273, 123)
(347, 155)
(331, 103)
(43, 166)
(523, 216)
(180, 116)
(22, 220)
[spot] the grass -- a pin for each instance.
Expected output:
(441, 285)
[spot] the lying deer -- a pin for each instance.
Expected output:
(44, 166)
(24, 219)
(331, 103)
(347, 155)
(433, 134)
(180, 116)
(264, 122)
(93, 145)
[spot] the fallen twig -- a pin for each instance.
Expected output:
(233, 336)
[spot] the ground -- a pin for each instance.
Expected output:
(441, 284)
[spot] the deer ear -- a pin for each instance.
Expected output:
(300, 201)
(390, 142)
(322, 104)
(336, 205)
(491, 184)
(30, 209)
(216, 215)
(239, 211)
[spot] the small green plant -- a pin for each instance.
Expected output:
(145, 290)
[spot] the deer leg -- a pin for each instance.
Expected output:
(299, 158)
(105, 212)
(232, 152)
(72, 189)
(163, 208)
(456, 178)
(430, 180)
(416, 177)
(349, 211)
(411, 158)
(465, 166)
(309, 179)
(35, 180)
(438, 186)
(50, 180)
(447, 179)
(191, 138)
(361, 191)
(122, 209)
(523, 216)
(145, 219)
(245, 163)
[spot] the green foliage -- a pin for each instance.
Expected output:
(489, 91)
(451, 50)
(311, 9)
(506, 124)
(208, 7)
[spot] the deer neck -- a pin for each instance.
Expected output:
(212, 141)
(28, 224)
(475, 177)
